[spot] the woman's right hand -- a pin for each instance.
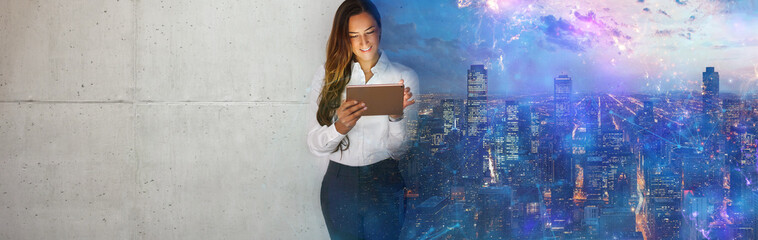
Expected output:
(348, 114)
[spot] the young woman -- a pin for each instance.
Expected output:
(362, 190)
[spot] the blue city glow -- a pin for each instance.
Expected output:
(580, 120)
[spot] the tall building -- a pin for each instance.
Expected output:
(534, 132)
(732, 113)
(562, 193)
(476, 102)
(592, 220)
(711, 108)
(497, 145)
(476, 122)
(511, 141)
(612, 139)
(619, 168)
(512, 130)
(695, 213)
(563, 108)
(526, 214)
(562, 186)
(595, 180)
(493, 219)
(452, 110)
(713, 142)
(665, 202)
(589, 118)
(431, 131)
(645, 118)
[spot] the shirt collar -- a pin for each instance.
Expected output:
(380, 66)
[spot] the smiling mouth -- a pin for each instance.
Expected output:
(366, 50)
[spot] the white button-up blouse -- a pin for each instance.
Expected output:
(373, 138)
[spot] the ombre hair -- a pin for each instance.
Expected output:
(339, 56)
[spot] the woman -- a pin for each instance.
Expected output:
(362, 190)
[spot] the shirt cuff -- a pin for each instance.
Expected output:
(332, 133)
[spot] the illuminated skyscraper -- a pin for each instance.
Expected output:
(511, 130)
(711, 108)
(665, 203)
(510, 136)
(712, 118)
(562, 187)
(476, 122)
(452, 110)
(476, 102)
(732, 113)
(594, 180)
(645, 118)
(563, 108)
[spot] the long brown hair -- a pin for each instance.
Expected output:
(339, 56)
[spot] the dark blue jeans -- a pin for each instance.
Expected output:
(363, 202)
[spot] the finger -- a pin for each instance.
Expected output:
(353, 117)
(407, 96)
(411, 102)
(348, 104)
(355, 107)
(359, 113)
(402, 82)
(343, 110)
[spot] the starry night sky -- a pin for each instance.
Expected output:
(605, 46)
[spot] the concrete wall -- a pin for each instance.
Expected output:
(164, 119)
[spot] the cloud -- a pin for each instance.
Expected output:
(590, 17)
(399, 36)
(439, 63)
(562, 33)
(531, 40)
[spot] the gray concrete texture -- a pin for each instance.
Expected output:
(159, 119)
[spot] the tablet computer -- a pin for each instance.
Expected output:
(380, 99)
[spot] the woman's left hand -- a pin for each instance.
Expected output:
(407, 101)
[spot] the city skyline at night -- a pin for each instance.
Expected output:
(584, 166)
(584, 119)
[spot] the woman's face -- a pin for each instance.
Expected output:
(364, 35)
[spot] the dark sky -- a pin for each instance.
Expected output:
(605, 46)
